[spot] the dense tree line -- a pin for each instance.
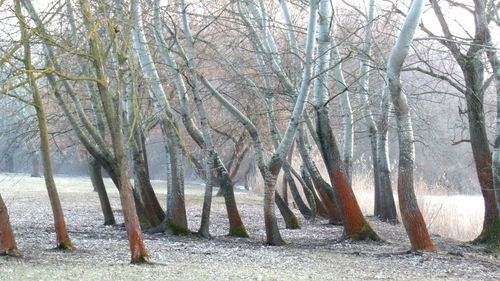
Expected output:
(283, 81)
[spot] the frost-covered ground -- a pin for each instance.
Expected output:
(313, 253)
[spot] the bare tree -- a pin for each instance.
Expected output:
(470, 62)
(62, 238)
(384, 205)
(412, 217)
(355, 225)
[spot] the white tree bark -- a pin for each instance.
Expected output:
(347, 123)
(176, 213)
(412, 218)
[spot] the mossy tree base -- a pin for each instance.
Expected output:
(65, 246)
(140, 260)
(490, 237)
(174, 229)
(293, 223)
(365, 234)
(239, 231)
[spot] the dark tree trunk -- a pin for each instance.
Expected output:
(98, 184)
(385, 207)
(152, 207)
(325, 191)
(320, 208)
(236, 226)
(176, 220)
(303, 208)
(9, 162)
(291, 221)
(481, 151)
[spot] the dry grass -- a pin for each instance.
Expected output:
(449, 215)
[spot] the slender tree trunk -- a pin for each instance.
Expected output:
(385, 208)
(325, 191)
(35, 165)
(152, 207)
(303, 208)
(320, 208)
(113, 115)
(98, 184)
(291, 221)
(176, 221)
(412, 217)
(473, 71)
(62, 237)
(284, 189)
(7, 240)
(236, 226)
(355, 225)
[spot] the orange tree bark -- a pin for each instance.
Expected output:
(7, 241)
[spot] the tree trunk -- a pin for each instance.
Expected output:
(303, 208)
(284, 189)
(98, 184)
(482, 158)
(9, 162)
(325, 191)
(412, 217)
(236, 226)
(142, 183)
(320, 208)
(273, 235)
(355, 225)
(7, 240)
(291, 221)
(35, 165)
(62, 237)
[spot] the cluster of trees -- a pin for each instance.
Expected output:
(265, 75)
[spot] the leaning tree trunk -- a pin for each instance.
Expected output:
(412, 217)
(7, 240)
(494, 60)
(301, 205)
(142, 182)
(176, 221)
(355, 225)
(98, 184)
(472, 68)
(291, 221)
(113, 117)
(325, 191)
(62, 237)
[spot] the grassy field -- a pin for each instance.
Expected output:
(314, 252)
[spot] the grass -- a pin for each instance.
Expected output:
(314, 252)
(449, 215)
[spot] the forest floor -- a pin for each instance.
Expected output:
(313, 252)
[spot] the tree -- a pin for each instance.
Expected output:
(472, 67)
(62, 238)
(355, 225)
(385, 209)
(7, 240)
(176, 211)
(203, 137)
(412, 217)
